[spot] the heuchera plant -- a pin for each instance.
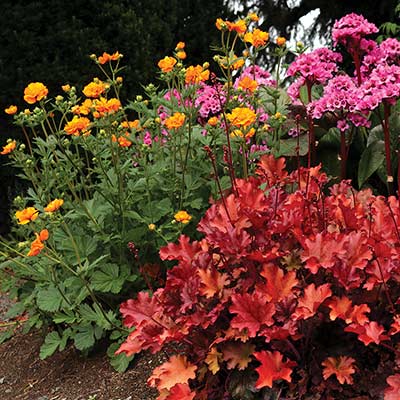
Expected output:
(292, 292)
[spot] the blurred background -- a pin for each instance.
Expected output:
(50, 41)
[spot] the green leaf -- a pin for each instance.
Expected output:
(287, 147)
(15, 310)
(6, 335)
(50, 345)
(108, 279)
(84, 338)
(49, 299)
(371, 159)
(119, 362)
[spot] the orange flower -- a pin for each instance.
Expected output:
(220, 24)
(78, 126)
(84, 108)
(95, 89)
(257, 38)
(175, 121)
(105, 58)
(54, 205)
(239, 26)
(167, 64)
(11, 110)
(238, 133)
(196, 74)
(9, 147)
(37, 245)
(254, 17)
(280, 41)
(213, 121)
(182, 217)
(242, 117)
(180, 46)
(34, 92)
(131, 124)
(104, 106)
(181, 54)
(26, 215)
(248, 84)
(66, 88)
(237, 64)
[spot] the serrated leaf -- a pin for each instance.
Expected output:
(371, 159)
(49, 299)
(15, 310)
(6, 335)
(84, 338)
(107, 279)
(50, 345)
(119, 362)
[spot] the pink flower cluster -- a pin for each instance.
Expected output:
(387, 52)
(382, 84)
(350, 29)
(341, 97)
(209, 100)
(312, 68)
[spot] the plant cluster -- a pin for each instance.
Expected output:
(292, 291)
(286, 280)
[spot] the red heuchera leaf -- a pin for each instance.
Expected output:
(142, 309)
(253, 311)
(180, 391)
(341, 366)
(272, 169)
(212, 282)
(176, 370)
(183, 251)
(312, 299)
(343, 308)
(321, 251)
(393, 391)
(238, 354)
(371, 332)
(272, 368)
(279, 285)
(395, 327)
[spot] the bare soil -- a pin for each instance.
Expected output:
(67, 375)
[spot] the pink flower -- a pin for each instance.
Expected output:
(350, 29)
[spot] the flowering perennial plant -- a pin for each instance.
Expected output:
(289, 291)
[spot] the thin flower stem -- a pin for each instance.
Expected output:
(386, 131)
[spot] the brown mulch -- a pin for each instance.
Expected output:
(68, 375)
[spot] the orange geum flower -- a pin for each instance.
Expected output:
(182, 217)
(213, 121)
(257, 38)
(104, 106)
(239, 26)
(105, 58)
(26, 215)
(122, 140)
(135, 124)
(84, 108)
(66, 88)
(237, 64)
(180, 46)
(181, 54)
(196, 74)
(242, 117)
(280, 41)
(9, 147)
(95, 89)
(77, 126)
(175, 121)
(247, 84)
(34, 92)
(167, 64)
(11, 110)
(54, 205)
(253, 17)
(37, 245)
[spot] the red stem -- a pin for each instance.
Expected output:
(356, 57)
(311, 133)
(343, 155)
(386, 108)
